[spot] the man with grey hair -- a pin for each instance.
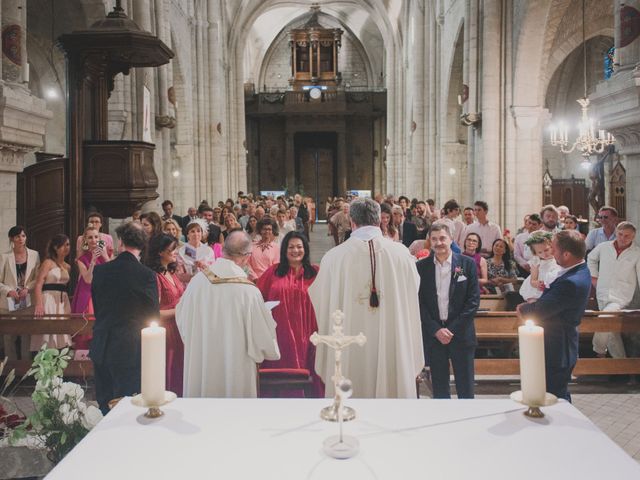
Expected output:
(374, 281)
(615, 274)
(225, 326)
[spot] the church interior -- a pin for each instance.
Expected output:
(115, 106)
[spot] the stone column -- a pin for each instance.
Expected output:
(417, 130)
(23, 117)
(524, 162)
(163, 121)
(616, 104)
(487, 164)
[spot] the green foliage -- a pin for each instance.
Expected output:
(61, 419)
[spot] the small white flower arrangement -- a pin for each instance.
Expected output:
(61, 418)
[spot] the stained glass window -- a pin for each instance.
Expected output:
(608, 63)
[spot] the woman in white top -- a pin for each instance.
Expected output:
(17, 281)
(194, 255)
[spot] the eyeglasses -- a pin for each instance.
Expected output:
(603, 217)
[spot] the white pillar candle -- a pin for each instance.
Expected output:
(154, 341)
(532, 375)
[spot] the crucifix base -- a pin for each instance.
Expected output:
(330, 413)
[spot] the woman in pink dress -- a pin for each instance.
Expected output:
(288, 282)
(161, 258)
(95, 254)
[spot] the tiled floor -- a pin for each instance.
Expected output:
(617, 415)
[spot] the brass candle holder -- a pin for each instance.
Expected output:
(534, 410)
(153, 410)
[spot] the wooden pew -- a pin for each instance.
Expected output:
(492, 303)
(490, 326)
(73, 324)
(504, 326)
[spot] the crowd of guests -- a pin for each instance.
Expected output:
(176, 248)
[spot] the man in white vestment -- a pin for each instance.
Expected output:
(374, 281)
(225, 326)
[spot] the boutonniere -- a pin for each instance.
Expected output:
(458, 274)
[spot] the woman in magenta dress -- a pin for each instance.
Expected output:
(95, 254)
(161, 258)
(288, 282)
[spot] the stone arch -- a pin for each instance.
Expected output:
(349, 40)
(563, 89)
(385, 14)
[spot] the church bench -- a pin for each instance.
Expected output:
(503, 326)
(492, 302)
(490, 326)
(68, 324)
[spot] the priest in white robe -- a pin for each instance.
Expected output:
(225, 326)
(374, 281)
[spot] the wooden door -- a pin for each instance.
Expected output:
(316, 176)
(42, 203)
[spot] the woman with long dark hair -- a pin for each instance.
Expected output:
(288, 282)
(161, 258)
(51, 290)
(501, 268)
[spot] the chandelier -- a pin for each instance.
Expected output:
(587, 142)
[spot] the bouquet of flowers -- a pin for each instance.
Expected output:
(61, 418)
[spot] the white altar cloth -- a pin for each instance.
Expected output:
(399, 439)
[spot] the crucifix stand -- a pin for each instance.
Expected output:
(338, 341)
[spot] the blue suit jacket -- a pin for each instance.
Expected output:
(559, 311)
(464, 299)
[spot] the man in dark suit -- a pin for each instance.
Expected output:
(167, 208)
(406, 230)
(449, 298)
(560, 310)
(192, 214)
(125, 298)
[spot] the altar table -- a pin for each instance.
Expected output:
(399, 439)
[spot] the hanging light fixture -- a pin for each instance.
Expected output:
(587, 142)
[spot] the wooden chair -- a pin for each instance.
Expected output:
(274, 381)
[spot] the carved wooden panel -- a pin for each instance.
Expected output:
(618, 190)
(42, 206)
(118, 176)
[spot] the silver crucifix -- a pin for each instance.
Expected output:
(338, 341)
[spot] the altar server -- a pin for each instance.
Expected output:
(225, 326)
(374, 281)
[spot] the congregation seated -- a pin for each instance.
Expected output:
(501, 269)
(472, 248)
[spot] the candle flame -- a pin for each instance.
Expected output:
(529, 323)
(153, 324)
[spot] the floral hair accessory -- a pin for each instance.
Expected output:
(538, 237)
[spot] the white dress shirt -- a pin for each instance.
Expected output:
(443, 282)
(522, 252)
